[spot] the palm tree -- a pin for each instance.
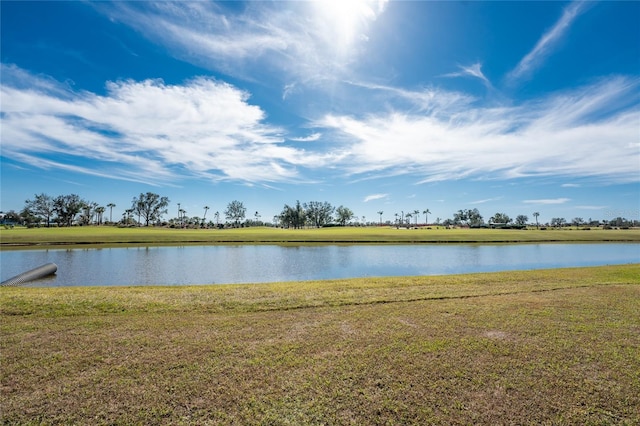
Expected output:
(408, 216)
(536, 214)
(111, 206)
(88, 213)
(217, 216)
(380, 213)
(99, 212)
(257, 215)
(415, 214)
(396, 215)
(426, 216)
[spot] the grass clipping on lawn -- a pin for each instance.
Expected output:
(553, 346)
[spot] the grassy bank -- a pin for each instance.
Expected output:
(553, 346)
(12, 238)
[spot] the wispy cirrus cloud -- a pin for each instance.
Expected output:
(556, 135)
(474, 70)
(150, 131)
(430, 100)
(310, 138)
(548, 201)
(547, 42)
(591, 207)
(486, 200)
(300, 41)
(374, 197)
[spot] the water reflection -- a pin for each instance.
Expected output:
(266, 263)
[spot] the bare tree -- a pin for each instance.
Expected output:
(67, 207)
(150, 206)
(235, 211)
(500, 218)
(88, 212)
(205, 214)
(42, 205)
(319, 212)
(293, 217)
(522, 219)
(343, 215)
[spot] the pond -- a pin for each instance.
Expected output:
(226, 264)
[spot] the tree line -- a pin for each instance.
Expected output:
(313, 213)
(71, 209)
(149, 208)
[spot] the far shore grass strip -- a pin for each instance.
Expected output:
(557, 346)
(11, 239)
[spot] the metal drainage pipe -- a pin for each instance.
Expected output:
(33, 274)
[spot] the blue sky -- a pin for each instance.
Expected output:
(510, 107)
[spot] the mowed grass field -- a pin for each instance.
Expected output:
(13, 238)
(536, 347)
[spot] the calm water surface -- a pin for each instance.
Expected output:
(267, 263)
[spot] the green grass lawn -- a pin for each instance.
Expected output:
(536, 347)
(11, 238)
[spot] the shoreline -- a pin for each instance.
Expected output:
(99, 237)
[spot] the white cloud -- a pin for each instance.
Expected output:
(373, 197)
(570, 185)
(486, 200)
(146, 131)
(431, 100)
(591, 207)
(311, 138)
(548, 201)
(153, 132)
(547, 42)
(474, 70)
(586, 132)
(302, 41)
